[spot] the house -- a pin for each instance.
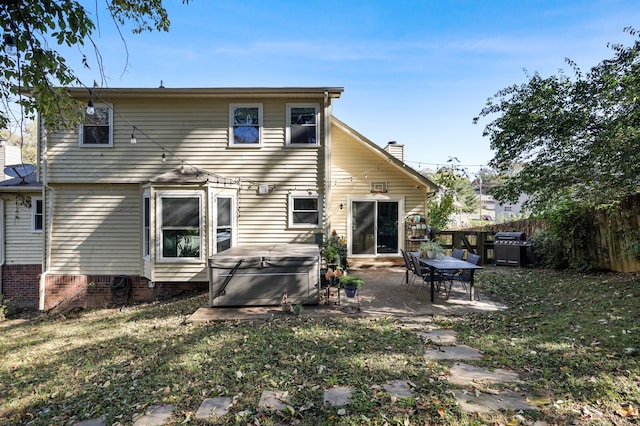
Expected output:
(157, 180)
(508, 211)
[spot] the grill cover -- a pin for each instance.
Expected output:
(260, 274)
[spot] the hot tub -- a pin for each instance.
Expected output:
(260, 274)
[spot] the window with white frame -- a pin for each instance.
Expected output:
(245, 125)
(302, 124)
(180, 225)
(146, 226)
(37, 214)
(97, 129)
(304, 210)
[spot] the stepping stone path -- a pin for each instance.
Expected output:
(481, 398)
(472, 384)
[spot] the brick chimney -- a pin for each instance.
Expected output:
(395, 149)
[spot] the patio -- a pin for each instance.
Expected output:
(383, 294)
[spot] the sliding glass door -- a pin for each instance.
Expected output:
(374, 227)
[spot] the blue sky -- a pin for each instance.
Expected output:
(416, 72)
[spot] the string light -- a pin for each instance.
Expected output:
(133, 136)
(164, 157)
(10, 47)
(90, 108)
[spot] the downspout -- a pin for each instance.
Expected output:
(327, 165)
(47, 218)
(2, 246)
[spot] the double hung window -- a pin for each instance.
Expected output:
(304, 211)
(97, 129)
(302, 124)
(245, 125)
(37, 214)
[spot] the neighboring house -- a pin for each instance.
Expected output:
(505, 212)
(158, 180)
(9, 155)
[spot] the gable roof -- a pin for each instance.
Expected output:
(410, 171)
(186, 174)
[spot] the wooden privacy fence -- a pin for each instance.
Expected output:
(478, 242)
(614, 231)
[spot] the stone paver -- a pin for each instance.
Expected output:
(156, 415)
(459, 352)
(274, 400)
(464, 374)
(398, 389)
(337, 396)
(485, 403)
(212, 408)
(439, 337)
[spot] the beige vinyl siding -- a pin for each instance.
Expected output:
(354, 167)
(96, 229)
(22, 245)
(191, 130)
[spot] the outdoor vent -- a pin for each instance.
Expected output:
(378, 186)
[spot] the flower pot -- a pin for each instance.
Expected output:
(350, 290)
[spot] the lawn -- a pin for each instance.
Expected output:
(573, 338)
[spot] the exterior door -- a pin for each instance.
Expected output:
(224, 221)
(374, 227)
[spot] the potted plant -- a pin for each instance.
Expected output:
(431, 249)
(285, 304)
(351, 284)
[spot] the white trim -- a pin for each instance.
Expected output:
(376, 198)
(158, 234)
(34, 203)
(260, 124)
(316, 124)
(97, 145)
(146, 195)
(306, 195)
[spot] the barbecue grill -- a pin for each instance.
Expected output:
(511, 249)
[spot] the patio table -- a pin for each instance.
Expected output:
(448, 263)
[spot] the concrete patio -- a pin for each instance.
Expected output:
(384, 294)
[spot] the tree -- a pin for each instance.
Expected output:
(29, 62)
(570, 138)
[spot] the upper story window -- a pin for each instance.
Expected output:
(37, 214)
(304, 210)
(245, 125)
(97, 129)
(302, 124)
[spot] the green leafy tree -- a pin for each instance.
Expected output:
(31, 64)
(566, 138)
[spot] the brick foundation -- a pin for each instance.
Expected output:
(21, 284)
(67, 292)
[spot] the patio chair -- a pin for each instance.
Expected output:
(464, 276)
(457, 253)
(410, 273)
(425, 274)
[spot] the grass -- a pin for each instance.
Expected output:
(573, 338)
